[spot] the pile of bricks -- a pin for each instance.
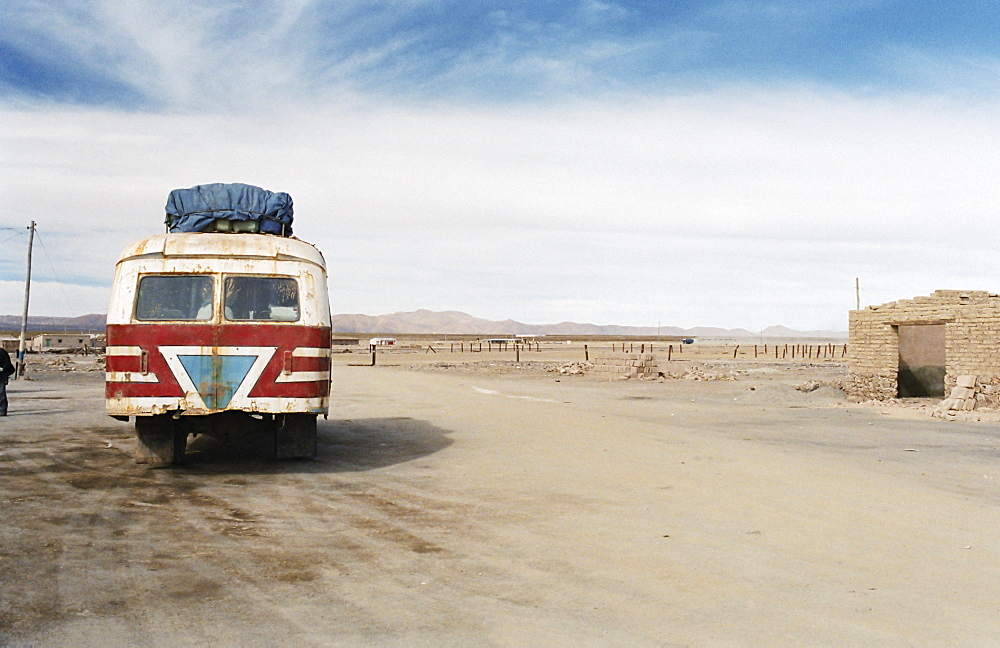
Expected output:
(624, 366)
(963, 398)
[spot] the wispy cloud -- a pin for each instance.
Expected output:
(157, 55)
(941, 72)
(236, 56)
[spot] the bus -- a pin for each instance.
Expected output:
(222, 334)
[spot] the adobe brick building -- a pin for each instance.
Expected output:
(920, 347)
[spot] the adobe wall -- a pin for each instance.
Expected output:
(972, 342)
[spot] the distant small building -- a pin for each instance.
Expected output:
(502, 341)
(345, 341)
(54, 341)
(921, 346)
(382, 341)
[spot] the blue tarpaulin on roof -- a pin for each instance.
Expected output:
(197, 209)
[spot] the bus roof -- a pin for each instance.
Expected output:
(260, 246)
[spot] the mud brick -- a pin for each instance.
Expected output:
(966, 381)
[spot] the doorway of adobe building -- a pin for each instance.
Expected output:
(921, 360)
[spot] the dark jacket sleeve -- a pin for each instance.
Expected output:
(6, 368)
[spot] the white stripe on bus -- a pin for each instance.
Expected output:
(130, 377)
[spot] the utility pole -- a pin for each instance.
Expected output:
(19, 369)
(857, 292)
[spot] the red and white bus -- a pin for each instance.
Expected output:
(220, 334)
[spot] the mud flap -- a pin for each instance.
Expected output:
(160, 440)
(295, 436)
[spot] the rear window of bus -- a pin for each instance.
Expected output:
(261, 299)
(174, 297)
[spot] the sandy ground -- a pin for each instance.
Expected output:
(462, 500)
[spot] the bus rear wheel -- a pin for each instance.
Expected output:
(295, 436)
(160, 440)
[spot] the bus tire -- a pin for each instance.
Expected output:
(160, 440)
(295, 436)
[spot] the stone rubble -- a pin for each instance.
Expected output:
(697, 372)
(969, 393)
(573, 368)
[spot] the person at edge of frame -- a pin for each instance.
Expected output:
(6, 371)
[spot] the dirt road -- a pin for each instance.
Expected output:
(477, 508)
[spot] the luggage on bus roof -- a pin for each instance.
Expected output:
(233, 207)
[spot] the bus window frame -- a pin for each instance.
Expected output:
(226, 312)
(212, 300)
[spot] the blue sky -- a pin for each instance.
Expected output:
(690, 163)
(101, 54)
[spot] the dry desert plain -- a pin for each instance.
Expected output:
(464, 499)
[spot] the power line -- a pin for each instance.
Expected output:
(18, 231)
(62, 288)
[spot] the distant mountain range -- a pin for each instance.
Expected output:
(84, 324)
(454, 322)
(451, 323)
